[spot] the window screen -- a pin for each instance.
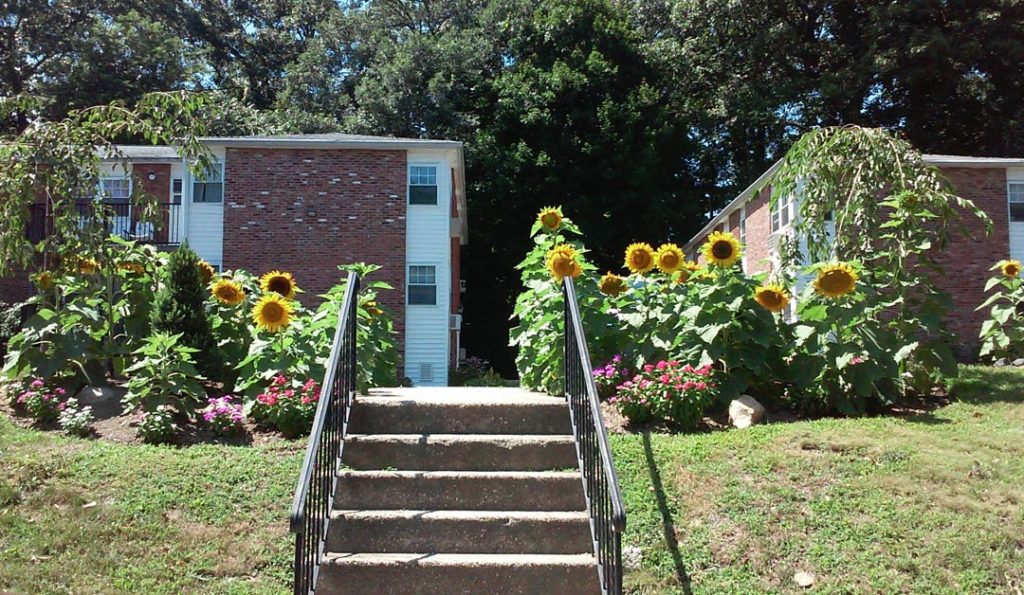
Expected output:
(115, 189)
(422, 185)
(209, 186)
(422, 285)
(1016, 191)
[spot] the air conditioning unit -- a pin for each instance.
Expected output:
(455, 322)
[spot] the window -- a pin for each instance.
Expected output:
(117, 190)
(209, 186)
(781, 211)
(743, 225)
(176, 190)
(1016, 192)
(422, 185)
(422, 285)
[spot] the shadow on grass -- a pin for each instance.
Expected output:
(980, 385)
(668, 526)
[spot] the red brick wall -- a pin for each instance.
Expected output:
(759, 231)
(966, 261)
(15, 287)
(358, 199)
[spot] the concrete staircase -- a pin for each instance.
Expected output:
(459, 490)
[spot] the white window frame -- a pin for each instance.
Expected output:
(409, 183)
(409, 283)
(177, 197)
(202, 179)
(782, 209)
(743, 236)
(1010, 184)
(100, 190)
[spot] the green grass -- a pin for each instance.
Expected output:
(930, 504)
(205, 519)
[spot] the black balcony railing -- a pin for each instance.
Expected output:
(314, 496)
(122, 219)
(600, 484)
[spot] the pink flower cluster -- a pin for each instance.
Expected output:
(278, 391)
(40, 402)
(223, 414)
(610, 375)
(667, 390)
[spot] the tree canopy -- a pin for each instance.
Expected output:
(641, 117)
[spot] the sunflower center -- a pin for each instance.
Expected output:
(641, 259)
(562, 265)
(670, 260)
(836, 281)
(721, 250)
(1011, 270)
(549, 220)
(273, 312)
(771, 299)
(280, 285)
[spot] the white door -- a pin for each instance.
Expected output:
(1015, 193)
(206, 215)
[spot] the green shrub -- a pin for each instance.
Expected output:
(75, 420)
(157, 426)
(164, 372)
(10, 324)
(1002, 335)
(180, 309)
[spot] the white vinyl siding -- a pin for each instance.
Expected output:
(428, 248)
(206, 216)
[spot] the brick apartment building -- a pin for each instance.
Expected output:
(995, 185)
(306, 204)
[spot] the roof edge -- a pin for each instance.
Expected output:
(739, 201)
(300, 143)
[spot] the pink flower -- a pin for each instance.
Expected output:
(857, 360)
(662, 365)
(665, 378)
(648, 368)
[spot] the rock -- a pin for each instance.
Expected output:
(804, 579)
(745, 411)
(1001, 362)
(631, 556)
(1019, 362)
(94, 395)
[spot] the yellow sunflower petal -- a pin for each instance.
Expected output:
(639, 257)
(612, 284)
(835, 280)
(722, 249)
(550, 217)
(772, 297)
(669, 258)
(561, 262)
(228, 292)
(283, 284)
(272, 313)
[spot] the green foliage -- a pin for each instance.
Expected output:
(539, 312)
(231, 324)
(179, 308)
(157, 426)
(10, 324)
(377, 353)
(164, 372)
(300, 350)
(1002, 335)
(838, 175)
(75, 420)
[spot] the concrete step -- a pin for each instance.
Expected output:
(515, 412)
(460, 452)
(459, 531)
(459, 490)
(446, 574)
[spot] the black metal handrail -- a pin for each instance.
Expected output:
(314, 495)
(600, 483)
(118, 218)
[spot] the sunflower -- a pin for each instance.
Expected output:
(835, 280)
(772, 297)
(550, 217)
(722, 248)
(228, 292)
(639, 257)
(206, 271)
(562, 263)
(132, 267)
(272, 313)
(44, 280)
(372, 309)
(669, 258)
(280, 283)
(1010, 268)
(682, 275)
(87, 266)
(691, 266)
(612, 284)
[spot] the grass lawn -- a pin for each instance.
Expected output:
(929, 504)
(86, 516)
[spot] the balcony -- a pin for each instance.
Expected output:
(121, 219)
